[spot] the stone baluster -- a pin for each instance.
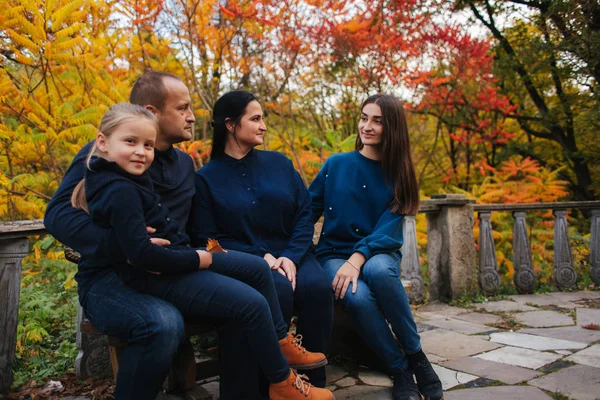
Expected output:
(489, 280)
(93, 360)
(451, 247)
(565, 276)
(410, 266)
(595, 247)
(12, 252)
(524, 278)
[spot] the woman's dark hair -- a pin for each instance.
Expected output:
(229, 107)
(396, 159)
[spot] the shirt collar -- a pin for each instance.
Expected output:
(242, 162)
(169, 154)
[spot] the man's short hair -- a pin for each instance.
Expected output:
(150, 89)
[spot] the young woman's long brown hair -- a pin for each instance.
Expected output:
(396, 158)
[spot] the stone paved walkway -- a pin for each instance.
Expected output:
(529, 347)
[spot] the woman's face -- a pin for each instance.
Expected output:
(370, 127)
(251, 128)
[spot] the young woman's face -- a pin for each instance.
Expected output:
(370, 127)
(131, 145)
(250, 131)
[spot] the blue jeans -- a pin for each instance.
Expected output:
(313, 302)
(200, 294)
(379, 298)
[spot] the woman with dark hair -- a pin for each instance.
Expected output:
(363, 196)
(255, 202)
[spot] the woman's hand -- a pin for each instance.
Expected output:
(205, 259)
(270, 259)
(287, 268)
(346, 274)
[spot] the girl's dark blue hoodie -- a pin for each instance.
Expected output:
(126, 204)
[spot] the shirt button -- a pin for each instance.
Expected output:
(357, 230)
(330, 208)
(365, 186)
(168, 219)
(253, 202)
(160, 205)
(248, 188)
(243, 174)
(326, 175)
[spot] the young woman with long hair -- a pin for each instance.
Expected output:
(363, 196)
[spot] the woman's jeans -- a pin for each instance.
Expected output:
(380, 298)
(149, 312)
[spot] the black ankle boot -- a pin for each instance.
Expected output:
(404, 386)
(427, 380)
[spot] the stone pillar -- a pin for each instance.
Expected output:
(410, 266)
(451, 247)
(595, 247)
(565, 276)
(93, 360)
(524, 278)
(12, 252)
(489, 280)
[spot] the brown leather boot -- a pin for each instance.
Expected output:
(298, 356)
(297, 387)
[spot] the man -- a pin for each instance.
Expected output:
(153, 327)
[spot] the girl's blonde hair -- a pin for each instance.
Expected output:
(117, 115)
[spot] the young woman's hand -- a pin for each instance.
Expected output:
(270, 259)
(205, 259)
(286, 267)
(346, 274)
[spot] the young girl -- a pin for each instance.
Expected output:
(119, 195)
(364, 196)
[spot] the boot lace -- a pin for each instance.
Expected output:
(298, 343)
(302, 384)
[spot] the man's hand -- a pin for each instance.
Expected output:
(205, 259)
(157, 241)
(270, 259)
(286, 267)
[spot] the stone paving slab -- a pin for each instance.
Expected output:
(535, 299)
(479, 318)
(375, 378)
(565, 297)
(498, 393)
(574, 333)
(544, 319)
(508, 374)
(449, 344)
(452, 378)
(520, 357)
(364, 392)
(589, 356)
(457, 325)
(334, 373)
(534, 342)
(436, 309)
(434, 359)
(504, 305)
(580, 382)
(587, 316)
(345, 382)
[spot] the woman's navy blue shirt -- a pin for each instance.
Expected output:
(125, 205)
(257, 205)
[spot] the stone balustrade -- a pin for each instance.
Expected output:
(451, 252)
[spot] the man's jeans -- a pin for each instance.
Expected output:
(380, 298)
(154, 327)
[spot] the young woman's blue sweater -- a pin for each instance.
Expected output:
(354, 196)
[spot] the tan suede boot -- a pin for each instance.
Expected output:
(298, 356)
(297, 387)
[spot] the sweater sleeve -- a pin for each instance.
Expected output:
(317, 193)
(386, 237)
(122, 204)
(301, 237)
(202, 225)
(72, 226)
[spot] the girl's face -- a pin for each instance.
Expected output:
(251, 128)
(131, 145)
(370, 127)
